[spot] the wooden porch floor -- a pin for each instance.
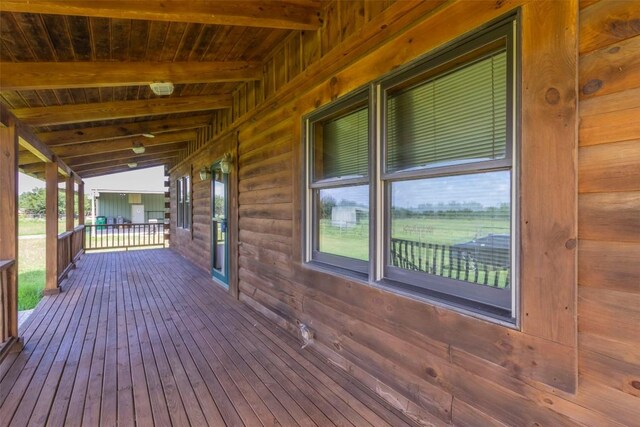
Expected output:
(146, 337)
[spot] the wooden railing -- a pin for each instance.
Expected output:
(123, 236)
(7, 310)
(489, 268)
(70, 247)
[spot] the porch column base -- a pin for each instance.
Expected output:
(54, 291)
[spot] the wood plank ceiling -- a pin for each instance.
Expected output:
(78, 73)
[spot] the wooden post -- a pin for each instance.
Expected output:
(9, 225)
(51, 176)
(81, 203)
(69, 202)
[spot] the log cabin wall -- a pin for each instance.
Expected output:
(436, 365)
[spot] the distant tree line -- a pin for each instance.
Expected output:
(34, 202)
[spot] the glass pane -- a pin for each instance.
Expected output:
(459, 117)
(343, 221)
(457, 227)
(220, 223)
(341, 146)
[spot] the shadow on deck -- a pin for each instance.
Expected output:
(147, 337)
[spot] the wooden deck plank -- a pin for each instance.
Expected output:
(16, 383)
(146, 338)
(192, 386)
(75, 409)
(214, 373)
(77, 367)
(65, 362)
(139, 384)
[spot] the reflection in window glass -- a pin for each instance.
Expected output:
(343, 221)
(457, 227)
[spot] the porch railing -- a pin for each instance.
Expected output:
(6, 295)
(123, 236)
(70, 247)
(451, 261)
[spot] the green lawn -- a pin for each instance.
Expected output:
(353, 242)
(31, 272)
(32, 226)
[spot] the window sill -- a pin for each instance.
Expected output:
(432, 298)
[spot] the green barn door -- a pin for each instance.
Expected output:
(219, 225)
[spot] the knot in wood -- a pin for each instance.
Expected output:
(552, 96)
(592, 86)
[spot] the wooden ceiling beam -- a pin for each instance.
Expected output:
(117, 169)
(89, 134)
(28, 140)
(81, 161)
(252, 13)
(76, 75)
(141, 159)
(102, 147)
(82, 113)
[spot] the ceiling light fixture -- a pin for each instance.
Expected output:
(162, 88)
(148, 135)
(132, 164)
(138, 148)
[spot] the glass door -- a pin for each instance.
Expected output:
(219, 233)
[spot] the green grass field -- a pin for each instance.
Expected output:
(353, 242)
(33, 226)
(31, 272)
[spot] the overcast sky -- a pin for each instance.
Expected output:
(489, 189)
(151, 179)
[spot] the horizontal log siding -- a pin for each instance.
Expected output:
(609, 212)
(436, 365)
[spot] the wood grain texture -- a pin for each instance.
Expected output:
(285, 15)
(610, 216)
(608, 22)
(51, 227)
(548, 177)
(45, 116)
(609, 264)
(63, 75)
(610, 167)
(9, 230)
(611, 69)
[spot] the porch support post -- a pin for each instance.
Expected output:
(81, 203)
(69, 202)
(9, 231)
(51, 177)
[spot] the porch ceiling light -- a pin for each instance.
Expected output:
(132, 164)
(162, 88)
(148, 135)
(205, 174)
(138, 148)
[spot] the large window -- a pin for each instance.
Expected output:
(338, 156)
(183, 196)
(444, 216)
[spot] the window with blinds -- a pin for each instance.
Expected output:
(342, 146)
(454, 118)
(436, 215)
(338, 196)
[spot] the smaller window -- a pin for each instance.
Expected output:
(187, 202)
(338, 184)
(180, 203)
